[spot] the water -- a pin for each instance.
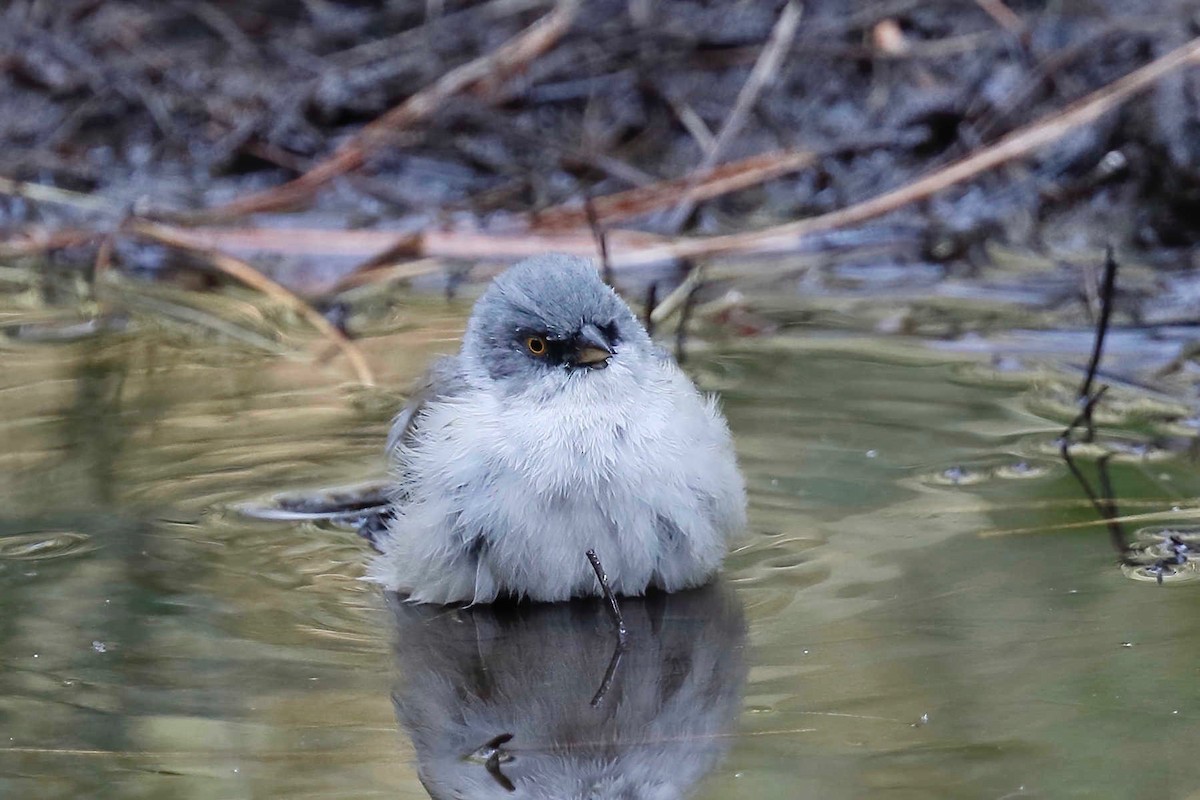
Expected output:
(925, 605)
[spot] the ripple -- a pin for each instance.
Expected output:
(963, 475)
(336, 504)
(63, 331)
(1117, 448)
(1165, 555)
(44, 545)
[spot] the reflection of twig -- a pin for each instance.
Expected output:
(613, 607)
(247, 274)
(494, 748)
(610, 673)
(1105, 501)
(485, 71)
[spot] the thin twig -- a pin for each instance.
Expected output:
(1084, 417)
(648, 307)
(247, 274)
(42, 193)
(1003, 16)
(685, 314)
(1105, 501)
(1107, 292)
(614, 609)
(702, 184)
(1017, 144)
(487, 72)
(102, 263)
(764, 71)
(676, 299)
(601, 241)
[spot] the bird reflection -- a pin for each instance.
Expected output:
(539, 701)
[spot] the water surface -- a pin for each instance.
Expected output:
(923, 607)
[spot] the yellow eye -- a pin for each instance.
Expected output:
(536, 345)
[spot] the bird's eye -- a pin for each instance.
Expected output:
(536, 345)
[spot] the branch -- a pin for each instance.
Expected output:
(247, 274)
(487, 71)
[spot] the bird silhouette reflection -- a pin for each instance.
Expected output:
(539, 700)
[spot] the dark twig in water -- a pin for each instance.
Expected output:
(494, 748)
(1111, 511)
(610, 673)
(1105, 501)
(1107, 292)
(649, 305)
(1085, 418)
(614, 608)
(601, 240)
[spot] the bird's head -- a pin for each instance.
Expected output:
(551, 316)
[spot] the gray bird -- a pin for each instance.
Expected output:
(558, 428)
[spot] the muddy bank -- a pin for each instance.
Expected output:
(152, 110)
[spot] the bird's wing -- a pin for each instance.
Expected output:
(444, 379)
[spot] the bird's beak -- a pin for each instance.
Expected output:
(591, 348)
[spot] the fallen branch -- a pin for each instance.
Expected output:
(1019, 143)
(247, 274)
(41, 193)
(764, 71)
(629, 248)
(40, 241)
(703, 184)
(459, 244)
(486, 72)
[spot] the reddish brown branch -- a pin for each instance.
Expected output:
(704, 184)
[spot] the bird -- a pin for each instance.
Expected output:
(558, 428)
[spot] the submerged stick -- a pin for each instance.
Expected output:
(613, 607)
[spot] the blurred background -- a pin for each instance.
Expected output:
(233, 233)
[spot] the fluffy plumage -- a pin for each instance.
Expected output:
(509, 463)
